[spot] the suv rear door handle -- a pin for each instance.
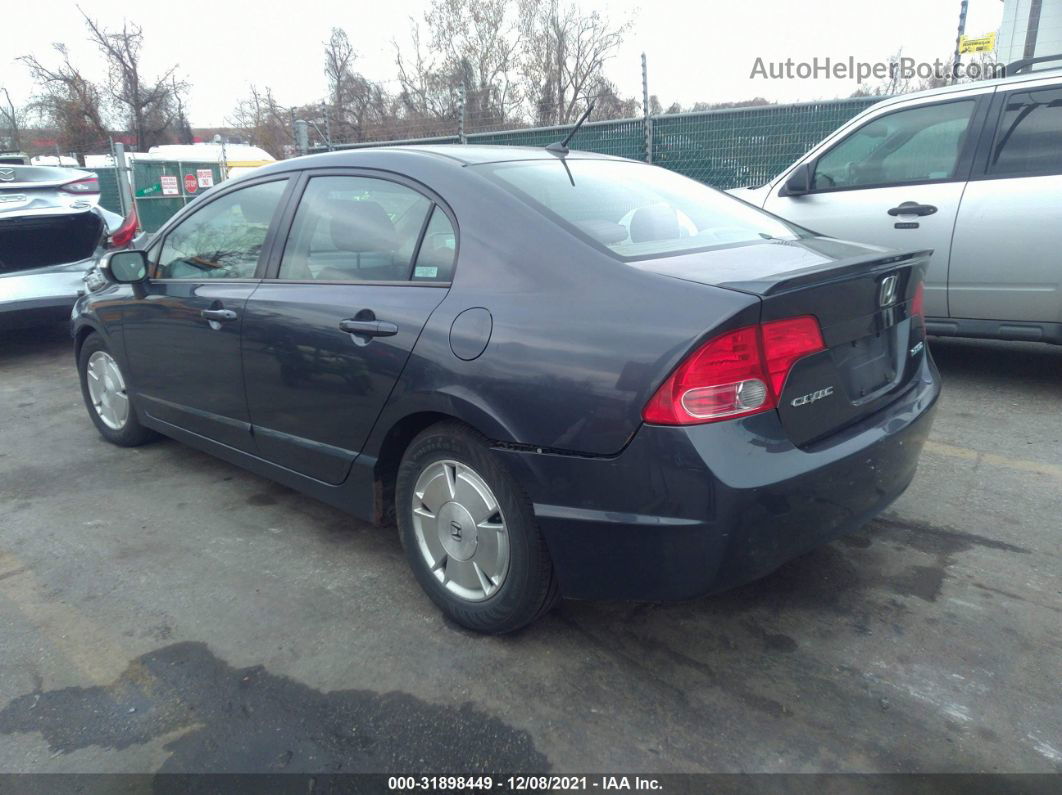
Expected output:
(219, 315)
(913, 208)
(369, 328)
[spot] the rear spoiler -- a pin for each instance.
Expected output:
(839, 271)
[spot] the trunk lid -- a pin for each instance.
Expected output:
(39, 241)
(862, 297)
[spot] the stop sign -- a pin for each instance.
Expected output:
(190, 184)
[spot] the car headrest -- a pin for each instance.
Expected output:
(362, 226)
(256, 207)
(654, 223)
(603, 231)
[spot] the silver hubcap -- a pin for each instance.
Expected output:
(107, 390)
(460, 530)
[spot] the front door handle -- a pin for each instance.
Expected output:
(369, 328)
(913, 208)
(218, 315)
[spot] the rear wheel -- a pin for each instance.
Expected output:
(469, 532)
(103, 386)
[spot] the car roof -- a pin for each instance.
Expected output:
(1012, 80)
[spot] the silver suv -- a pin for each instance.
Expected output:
(971, 171)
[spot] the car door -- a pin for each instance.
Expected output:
(1005, 262)
(182, 328)
(327, 333)
(896, 181)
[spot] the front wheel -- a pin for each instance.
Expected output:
(469, 533)
(103, 386)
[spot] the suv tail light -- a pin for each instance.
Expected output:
(736, 374)
(86, 185)
(123, 235)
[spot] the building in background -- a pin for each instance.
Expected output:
(1030, 29)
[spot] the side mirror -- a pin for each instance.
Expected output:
(799, 181)
(124, 267)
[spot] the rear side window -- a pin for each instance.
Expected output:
(354, 229)
(224, 239)
(916, 145)
(1029, 136)
(435, 260)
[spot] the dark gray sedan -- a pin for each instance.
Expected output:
(560, 374)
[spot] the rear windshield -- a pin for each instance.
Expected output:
(637, 211)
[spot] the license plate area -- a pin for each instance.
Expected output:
(867, 365)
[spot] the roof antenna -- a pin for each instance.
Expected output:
(561, 147)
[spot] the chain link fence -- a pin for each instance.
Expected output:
(724, 148)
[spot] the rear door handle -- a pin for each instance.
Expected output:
(913, 208)
(369, 328)
(219, 315)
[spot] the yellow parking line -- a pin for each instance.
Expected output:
(994, 459)
(86, 645)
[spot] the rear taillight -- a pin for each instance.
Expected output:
(86, 185)
(123, 235)
(736, 374)
(918, 303)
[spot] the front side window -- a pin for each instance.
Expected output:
(1029, 136)
(224, 239)
(634, 210)
(917, 145)
(354, 229)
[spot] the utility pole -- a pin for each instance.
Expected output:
(125, 184)
(461, 114)
(647, 122)
(328, 126)
(302, 136)
(958, 40)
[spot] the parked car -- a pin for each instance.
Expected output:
(972, 171)
(51, 230)
(562, 375)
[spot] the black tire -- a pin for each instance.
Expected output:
(530, 589)
(132, 433)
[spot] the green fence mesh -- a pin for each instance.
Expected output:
(161, 188)
(620, 138)
(109, 196)
(723, 148)
(746, 146)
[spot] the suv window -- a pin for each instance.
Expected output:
(916, 145)
(354, 229)
(1029, 136)
(224, 239)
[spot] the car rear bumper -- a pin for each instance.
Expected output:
(682, 512)
(36, 312)
(41, 297)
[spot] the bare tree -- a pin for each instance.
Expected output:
(264, 121)
(11, 118)
(149, 104)
(358, 105)
(474, 46)
(68, 101)
(564, 55)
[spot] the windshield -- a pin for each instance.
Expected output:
(635, 210)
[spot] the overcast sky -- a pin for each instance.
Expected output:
(697, 51)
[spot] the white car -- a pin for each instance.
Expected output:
(972, 171)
